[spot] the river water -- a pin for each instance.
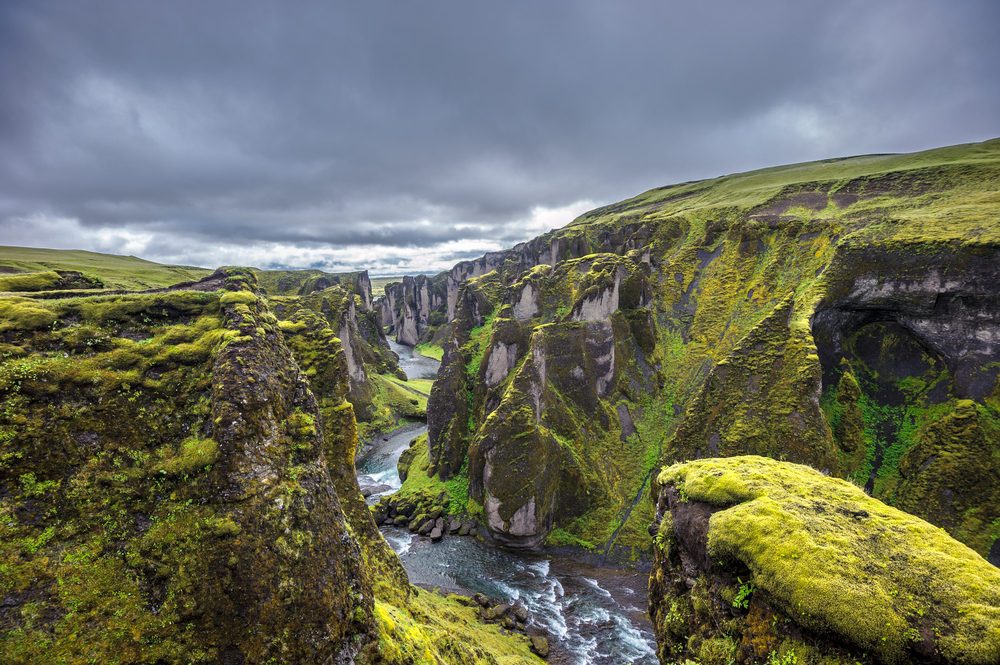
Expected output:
(591, 614)
(415, 365)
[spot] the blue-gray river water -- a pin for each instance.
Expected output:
(592, 614)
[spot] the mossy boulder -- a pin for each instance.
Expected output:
(761, 556)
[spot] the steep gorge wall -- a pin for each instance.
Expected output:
(342, 315)
(762, 295)
(419, 304)
(411, 308)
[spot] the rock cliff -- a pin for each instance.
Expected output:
(166, 495)
(414, 308)
(345, 313)
(834, 314)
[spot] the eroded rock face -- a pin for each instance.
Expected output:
(757, 560)
(816, 316)
(947, 302)
(411, 307)
(764, 398)
(338, 314)
(519, 469)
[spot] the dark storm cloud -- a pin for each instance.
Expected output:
(198, 131)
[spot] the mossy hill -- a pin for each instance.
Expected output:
(176, 488)
(841, 314)
(759, 561)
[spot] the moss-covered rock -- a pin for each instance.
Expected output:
(414, 308)
(540, 363)
(948, 472)
(335, 316)
(184, 509)
(762, 556)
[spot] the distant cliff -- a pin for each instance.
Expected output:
(414, 307)
(345, 313)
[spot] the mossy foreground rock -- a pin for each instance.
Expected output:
(759, 560)
(174, 488)
(164, 497)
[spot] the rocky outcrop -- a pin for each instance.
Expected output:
(305, 282)
(762, 561)
(339, 316)
(186, 510)
(548, 249)
(538, 382)
(413, 307)
(50, 280)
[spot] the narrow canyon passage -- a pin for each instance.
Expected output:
(592, 615)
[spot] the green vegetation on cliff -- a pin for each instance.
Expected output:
(337, 314)
(141, 520)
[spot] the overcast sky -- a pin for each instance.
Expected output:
(405, 136)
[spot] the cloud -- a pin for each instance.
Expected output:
(406, 135)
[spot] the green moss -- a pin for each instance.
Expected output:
(18, 314)
(430, 350)
(193, 455)
(37, 281)
(238, 298)
(432, 630)
(127, 552)
(837, 560)
(420, 485)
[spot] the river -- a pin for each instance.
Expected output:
(592, 614)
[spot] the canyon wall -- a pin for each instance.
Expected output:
(821, 314)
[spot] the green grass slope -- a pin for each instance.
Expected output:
(116, 272)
